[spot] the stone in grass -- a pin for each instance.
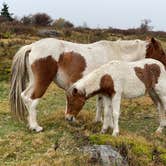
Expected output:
(104, 155)
(48, 33)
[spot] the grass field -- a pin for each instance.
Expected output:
(61, 143)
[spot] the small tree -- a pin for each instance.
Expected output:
(145, 27)
(5, 12)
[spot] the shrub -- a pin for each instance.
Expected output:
(41, 19)
(3, 19)
(62, 23)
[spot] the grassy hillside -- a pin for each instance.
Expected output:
(61, 142)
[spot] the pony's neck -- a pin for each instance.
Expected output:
(131, 50)
(90, 83)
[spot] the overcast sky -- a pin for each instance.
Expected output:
(96, 13)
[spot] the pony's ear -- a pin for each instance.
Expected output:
(153, 40)
(74, 91)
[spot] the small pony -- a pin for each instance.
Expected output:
(118, 79)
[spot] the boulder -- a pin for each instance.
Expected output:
(104, 155)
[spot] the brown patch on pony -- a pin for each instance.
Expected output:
(149, 75)
(75, 102)
(44, 71)
(73, 64)
(155, 51)
(107, 85)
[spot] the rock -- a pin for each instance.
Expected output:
(48, 33)
(104, 155)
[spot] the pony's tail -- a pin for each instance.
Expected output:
(19, 77)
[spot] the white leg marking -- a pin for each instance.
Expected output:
(107, 114)
(31, 107)
(116, 112)
(33, 125)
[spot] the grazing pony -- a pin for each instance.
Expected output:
(118, 79)
(36, 65)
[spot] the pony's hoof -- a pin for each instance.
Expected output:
(114, 134)
(37, 129)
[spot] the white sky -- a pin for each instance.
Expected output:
(96, 13)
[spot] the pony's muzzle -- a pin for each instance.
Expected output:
(70, 118)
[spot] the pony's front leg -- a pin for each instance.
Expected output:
(116, 112)
(99, 108)
(107, 114)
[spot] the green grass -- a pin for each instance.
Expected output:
(61, 142)
(19, 146)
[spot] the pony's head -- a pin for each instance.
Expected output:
(75, 101)
(155, 50)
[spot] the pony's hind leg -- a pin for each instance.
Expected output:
(33, 125)
(43, 71)
(31, 107)
(99, 108)
(162, 114)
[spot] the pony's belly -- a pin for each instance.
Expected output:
(134, 90)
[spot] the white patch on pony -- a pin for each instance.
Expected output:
(128, 50)
(61, 79)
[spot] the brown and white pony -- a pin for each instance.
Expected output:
(36, 65)
(116, 80)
